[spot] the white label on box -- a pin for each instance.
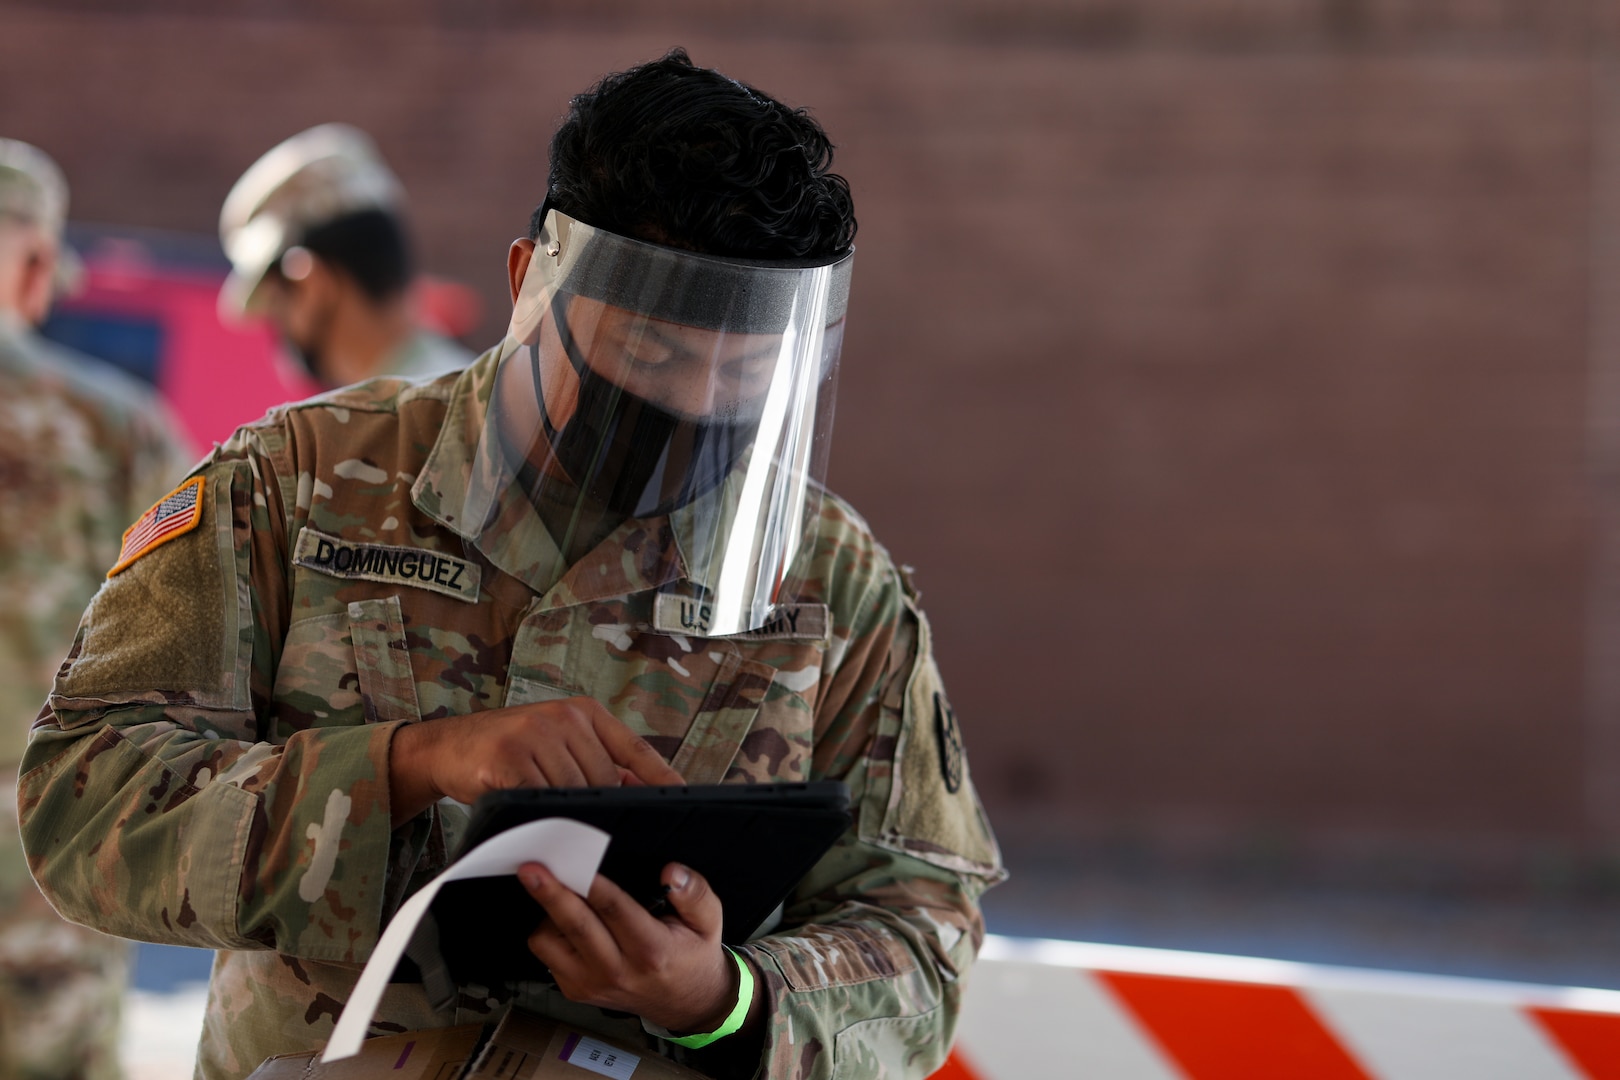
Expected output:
(599, 1058)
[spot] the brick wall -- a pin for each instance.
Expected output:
(1234, 373)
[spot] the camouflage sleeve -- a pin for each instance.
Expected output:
(866, 977)
(158, 798)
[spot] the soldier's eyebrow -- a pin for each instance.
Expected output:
(686, 353)
(672, 342)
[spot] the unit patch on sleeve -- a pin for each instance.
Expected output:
(949, 735)
(417, 567)
(176, 514)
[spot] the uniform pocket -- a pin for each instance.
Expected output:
(702, 749)
(863, 954)
(522, 691)
(889, 1048)
(723, 720)
(698, 701)
(346, 668)
(382, 660)
(316, 683)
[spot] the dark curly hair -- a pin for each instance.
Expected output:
(676, 154)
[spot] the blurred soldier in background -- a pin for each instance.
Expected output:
(318, 247)
(84, 449)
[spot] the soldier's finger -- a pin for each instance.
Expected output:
(504, 773)
(572, 917)
(693, 900)
(636, 932)
(593, 760)
(554, 950)
(560, 768)
(633, 752)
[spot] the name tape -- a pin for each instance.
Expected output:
(391, 565)
(788, 622)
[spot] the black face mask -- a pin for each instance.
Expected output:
(632, 457)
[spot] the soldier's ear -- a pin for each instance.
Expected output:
(323, 277)
(517, 263)
(37, 282)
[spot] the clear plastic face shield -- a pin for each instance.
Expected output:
(639, 382)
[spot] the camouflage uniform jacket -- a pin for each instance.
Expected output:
(83, 450)
(212, 767)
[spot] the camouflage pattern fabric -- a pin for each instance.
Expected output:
(84, 450)
(212, 767)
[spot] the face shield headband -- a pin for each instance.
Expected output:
(643, 382)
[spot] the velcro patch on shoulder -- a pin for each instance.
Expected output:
(788, 622)
(389, 564)
(176, 514)
(936, 814)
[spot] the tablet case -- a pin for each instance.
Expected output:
(752, 842)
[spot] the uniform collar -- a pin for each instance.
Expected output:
(12, 328)
(21, 345)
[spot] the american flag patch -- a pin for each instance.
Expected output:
(175, 514)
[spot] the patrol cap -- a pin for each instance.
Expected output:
(33, 189)
(313, 178)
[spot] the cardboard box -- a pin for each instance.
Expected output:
(439, 1054)
(523, 1046)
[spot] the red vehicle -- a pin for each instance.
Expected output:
(148, 306)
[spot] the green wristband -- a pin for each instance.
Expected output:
(739, 1011)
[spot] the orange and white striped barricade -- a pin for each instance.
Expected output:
(1038, 1009)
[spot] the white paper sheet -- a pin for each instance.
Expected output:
(569, 849)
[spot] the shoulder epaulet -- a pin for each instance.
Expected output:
(908, 582)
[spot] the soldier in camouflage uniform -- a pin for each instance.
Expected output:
(340, 631)
(83, 449)
(316, 235)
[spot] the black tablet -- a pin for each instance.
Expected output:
(752, 842)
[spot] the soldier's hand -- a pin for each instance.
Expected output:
(570, 743)
(606, 950)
